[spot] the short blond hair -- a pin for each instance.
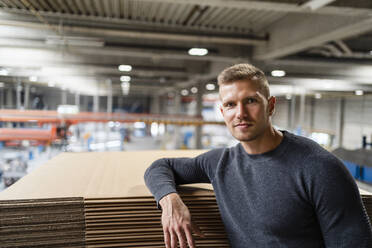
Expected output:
(247, 72)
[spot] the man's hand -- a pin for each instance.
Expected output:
(177, 224)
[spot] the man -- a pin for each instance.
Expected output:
(274, 189)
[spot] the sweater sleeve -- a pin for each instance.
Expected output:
(164, 174)
(341, 215)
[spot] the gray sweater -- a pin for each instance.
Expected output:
(297, 195)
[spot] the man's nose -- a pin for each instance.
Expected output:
(241, 112)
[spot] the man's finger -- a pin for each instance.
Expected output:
(167, 240)
(181, 238)
(173, 239)
(190, 238)
(196, 230)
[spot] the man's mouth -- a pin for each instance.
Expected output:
(244, 125)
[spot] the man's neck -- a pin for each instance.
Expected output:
(268, 141)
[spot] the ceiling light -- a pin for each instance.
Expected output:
(125, 78)
(184, 92)
(278, 73)
(33, 78)
(198, 51)
(210, 86)
(359, 92)
(318, 95)
(194, 90)
(125, 85)
(1, 84)
(125, 67)
(4, 72)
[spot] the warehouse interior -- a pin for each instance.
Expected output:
(90, 75)
(98, 76)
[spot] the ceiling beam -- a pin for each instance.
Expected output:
(296, 33)
(140, 52)
(198, 39)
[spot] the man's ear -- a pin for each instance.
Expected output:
(271, 107)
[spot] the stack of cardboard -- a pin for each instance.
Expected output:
(367, 201)
(42, 222)
(98, 200)
(128, 222)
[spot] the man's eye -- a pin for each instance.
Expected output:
(251, 100)
(229, 105)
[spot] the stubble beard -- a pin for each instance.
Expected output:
(248, 136)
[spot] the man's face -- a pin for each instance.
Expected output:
(245, 110)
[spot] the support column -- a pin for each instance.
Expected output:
(199, 108)
(177, 129)
(120, 101)
(63, 97)
(77, 100)
(312, 113)
(155, 104)
(301, 119)
(96, 103)
(340, 122)
(292, 113)
(2, 98)
(26, 104)
(18, 96)
(109, 97)
(9, 98)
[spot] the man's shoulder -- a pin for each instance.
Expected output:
(304, 145)
(311, 154)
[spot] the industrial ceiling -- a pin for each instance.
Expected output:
(77, 45)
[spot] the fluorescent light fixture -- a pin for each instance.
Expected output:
(198, 51)
(125, 78)
(4, 72)
(288, 96)
(125, 67)
(33, 78)
(68, 109)
(316, 4)
(359, 92)
(318, 95)
(278, 73)
(184, 92)
(210, 86)
(194, 90)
